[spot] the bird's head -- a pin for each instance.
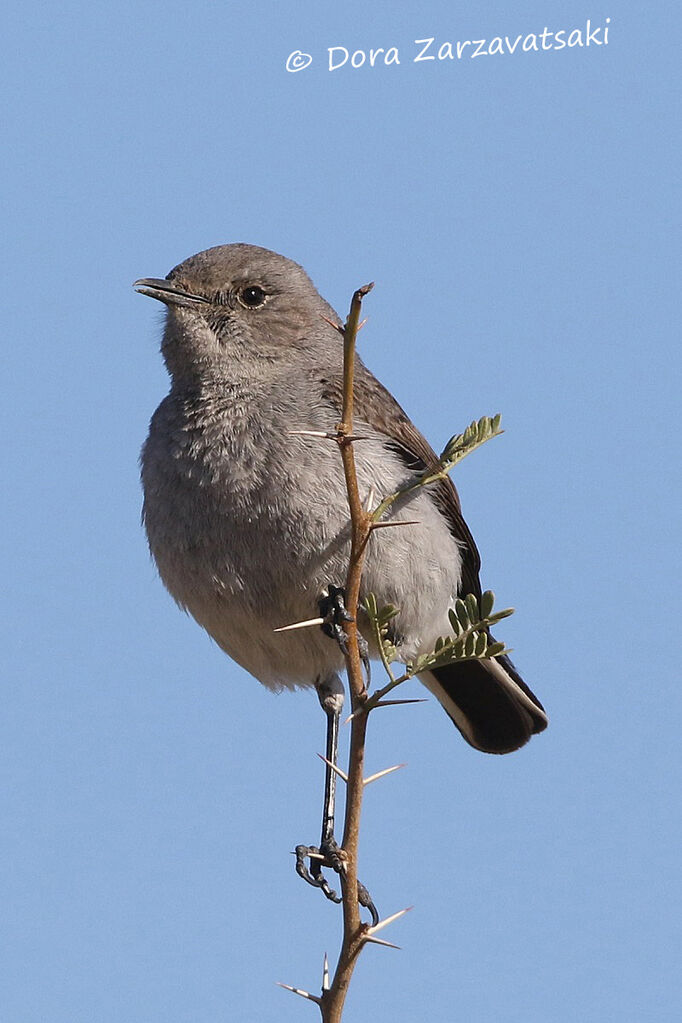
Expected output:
(236, 303)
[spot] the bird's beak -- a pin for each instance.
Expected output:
(167, 292)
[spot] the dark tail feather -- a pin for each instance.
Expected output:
(489, 703)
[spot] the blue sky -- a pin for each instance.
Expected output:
(516, 211)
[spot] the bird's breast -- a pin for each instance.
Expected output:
(249, 523)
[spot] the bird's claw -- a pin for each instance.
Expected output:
(314, 875)
(329, 855)
(334, 611)
(365, 900)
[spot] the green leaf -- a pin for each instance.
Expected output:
(499, 615)
(487, 602)
(472, 607)
(388, 612)
(462, 614)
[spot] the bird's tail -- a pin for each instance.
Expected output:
(489, 703)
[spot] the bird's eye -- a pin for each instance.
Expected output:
(252, 296)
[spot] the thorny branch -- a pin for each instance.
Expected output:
(470, 621)
(354, 932)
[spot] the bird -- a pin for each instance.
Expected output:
(247, 519)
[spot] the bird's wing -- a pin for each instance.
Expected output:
(487, 700)
(377, 407)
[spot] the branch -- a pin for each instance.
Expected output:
(332, 1000)
(470, 621)
(457, 448)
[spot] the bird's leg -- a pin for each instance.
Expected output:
(329, 854)
(330, 694)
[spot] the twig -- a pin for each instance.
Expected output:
(457, 448)
(470, 622)
(354, 932)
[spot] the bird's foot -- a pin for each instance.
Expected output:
(333, 610)
(330, 855)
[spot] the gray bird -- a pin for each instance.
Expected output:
(248, 523)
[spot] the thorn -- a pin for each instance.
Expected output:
(299, 991)
(369, 706)
(353, 436)
(390, 525)
(374, 941)
(361, 324)
(334, 768)
(301, 625)
(395, 703)
(336, 326)
(311, 433)
(353, 715)
(388, 920)
(381, 774)
(325, 974)
(369, 501)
